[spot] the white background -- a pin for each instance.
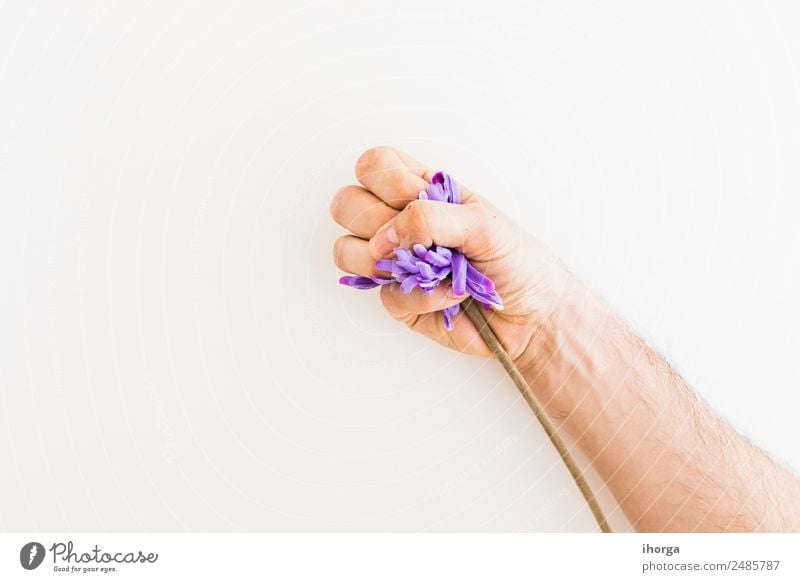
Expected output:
(175, 352)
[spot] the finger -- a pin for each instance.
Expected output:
(470, 228)
(400, 305)
(426, 173)
(415, 166)
(351, 254)
(359, 211)
(386, 173)
(464, 337)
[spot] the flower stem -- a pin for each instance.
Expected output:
(478, 319)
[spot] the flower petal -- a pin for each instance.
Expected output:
(425, 271)
(479, 278)
(358, 282)
(435, 191)
(385, 264)
(409, 264)
(452, 190)
(403, 254)
(408, 285)
(492, 298)
(445, 252)
(424, 268)
(442, 272)
(436, 259)
(459, 265)
(449, 313)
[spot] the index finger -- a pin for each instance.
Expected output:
(392, 176)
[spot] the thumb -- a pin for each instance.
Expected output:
(466, 227)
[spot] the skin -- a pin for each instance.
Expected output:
(669, 461)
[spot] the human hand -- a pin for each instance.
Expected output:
(590, 371)
(384, 213)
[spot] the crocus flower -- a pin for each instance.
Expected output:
(425, 268)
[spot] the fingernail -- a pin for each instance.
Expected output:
(385, 241)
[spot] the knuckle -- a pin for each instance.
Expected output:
(336, 206)
(416, 217)
(338, 250)
(370, 160)
(384, 213)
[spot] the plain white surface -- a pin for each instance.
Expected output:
(175, 350)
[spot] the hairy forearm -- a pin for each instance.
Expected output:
(671, 464)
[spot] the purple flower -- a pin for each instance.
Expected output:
(424, 268)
